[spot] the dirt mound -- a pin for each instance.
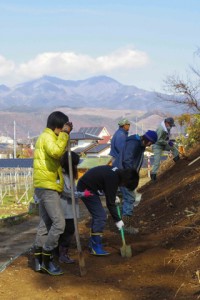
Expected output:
(165, 261)
(174, 197)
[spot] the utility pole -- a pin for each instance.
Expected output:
(14, 140)
(136, 125)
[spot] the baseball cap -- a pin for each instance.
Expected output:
(170, 121)
(124, 122)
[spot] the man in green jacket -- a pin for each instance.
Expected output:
(163, 144)
(48, 183)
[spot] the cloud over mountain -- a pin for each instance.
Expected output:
(71, 65)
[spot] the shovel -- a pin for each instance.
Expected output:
(125, 250)
(80, 253)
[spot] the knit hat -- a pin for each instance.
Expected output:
(170, 121)
(124, 122)
(151, 136)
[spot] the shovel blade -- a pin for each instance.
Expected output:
(126, 251)
(82, 267)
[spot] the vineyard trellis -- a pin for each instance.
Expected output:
(16, 183)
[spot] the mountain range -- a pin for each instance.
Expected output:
(97, 101)
(101, 91)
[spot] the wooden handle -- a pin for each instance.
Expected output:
(81, 258)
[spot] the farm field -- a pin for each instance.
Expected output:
(165, 263)
(16, 191)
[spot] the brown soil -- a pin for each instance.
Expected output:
(165, 260)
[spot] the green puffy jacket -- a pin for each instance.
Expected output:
(48, 150)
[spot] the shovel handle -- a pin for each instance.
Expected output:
(121, 230)
(80, 253)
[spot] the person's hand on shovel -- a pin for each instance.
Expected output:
(117, 200)
(119, 224)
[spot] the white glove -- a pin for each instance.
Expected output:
(138, 196)
(117, 200)
(119, 224)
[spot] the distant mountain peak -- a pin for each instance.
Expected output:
(4, 88)
(98, 91)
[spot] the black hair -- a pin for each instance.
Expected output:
(128, 178)
(65, 163)
(57, 119)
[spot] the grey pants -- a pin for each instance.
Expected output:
(157, 150)
(52, 221)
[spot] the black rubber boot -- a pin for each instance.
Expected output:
(176, 158)
(64, 256)
(38, 258)
(153, 177)
(47, 264)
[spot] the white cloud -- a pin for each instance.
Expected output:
(6, 66)
(69, 65)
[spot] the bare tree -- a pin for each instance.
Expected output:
(184, 91)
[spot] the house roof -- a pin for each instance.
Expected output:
(91, 162)
(4, 146)
(83, 136)
(98, 148)
(83, 149)
(91, 130)
(16, 163)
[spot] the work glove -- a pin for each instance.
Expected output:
(138, 196)
(119, 224)
(170, 143)
(87, 193)
(117, 200)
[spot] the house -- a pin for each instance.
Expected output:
(102, 145)
(6, 140)
(99, 150)
(82, 140)
(101, 132)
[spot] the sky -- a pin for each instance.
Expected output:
(136, 42)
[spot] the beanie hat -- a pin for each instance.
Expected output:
(170, 121)
(151, 136)
(124, 122)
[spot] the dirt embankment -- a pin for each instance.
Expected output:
(165, 261)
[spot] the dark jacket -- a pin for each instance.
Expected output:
(132, 154)
(102, 179)
(118, 141)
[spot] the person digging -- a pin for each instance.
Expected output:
(164, 143)
(104, 180)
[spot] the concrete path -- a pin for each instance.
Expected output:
(18, 239)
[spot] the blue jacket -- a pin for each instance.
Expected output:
(132, 154)
(118, 141)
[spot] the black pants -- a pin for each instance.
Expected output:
(66, 236)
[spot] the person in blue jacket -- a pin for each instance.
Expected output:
(119, 139)
(132, 156)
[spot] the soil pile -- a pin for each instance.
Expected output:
(165, 264)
